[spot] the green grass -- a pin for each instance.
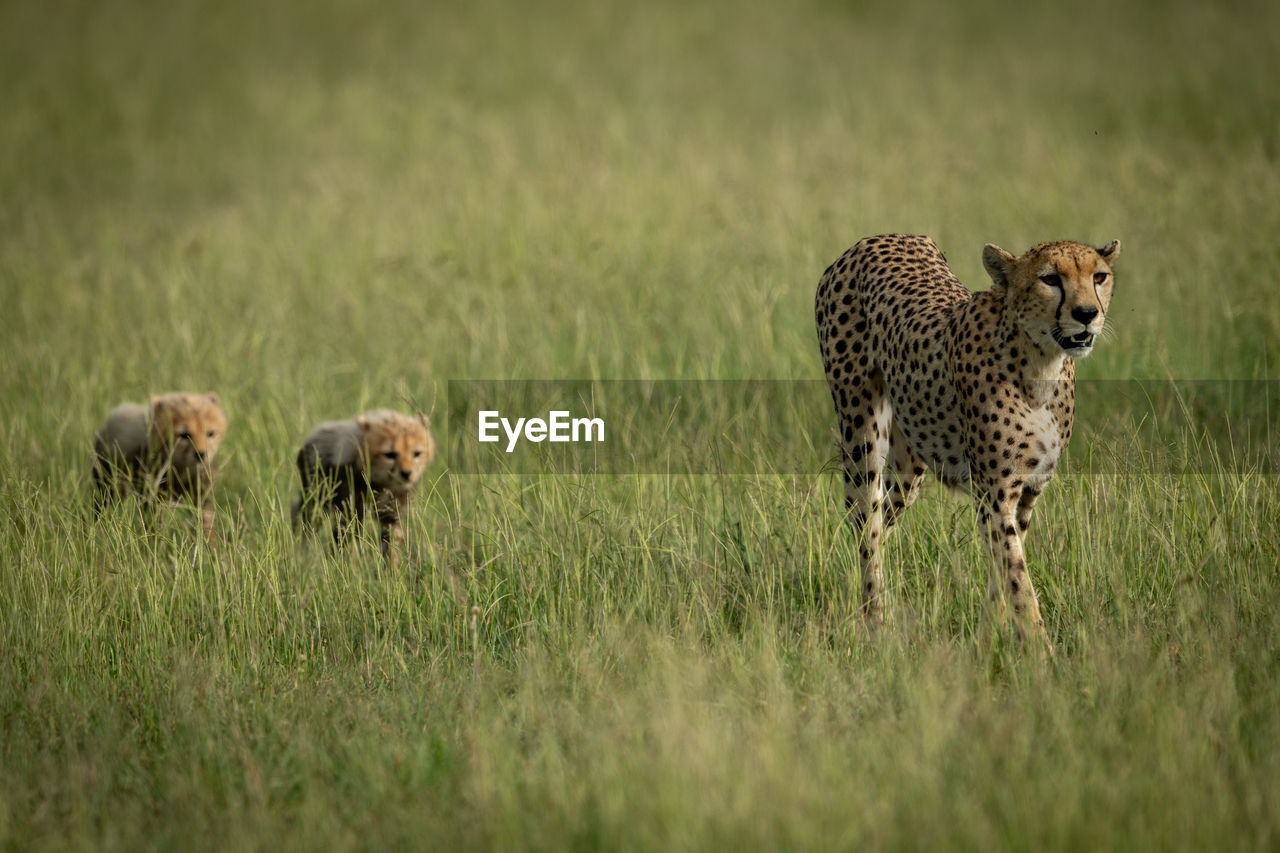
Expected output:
(316, 208)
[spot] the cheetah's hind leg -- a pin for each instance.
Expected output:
(904, 474)
(864, 428)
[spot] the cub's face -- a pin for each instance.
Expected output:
(398, 449)
(188, 427)
(1059, 292)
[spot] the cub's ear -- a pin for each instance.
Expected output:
(1110, 252)
(160, 415)
(364, 423)
(213, 398)
(999, 264)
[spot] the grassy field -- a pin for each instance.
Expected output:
(314, 208)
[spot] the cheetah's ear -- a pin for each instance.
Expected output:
(213, 398)
(364, 423)
(161, 415)
(1110, 252)
(999, 264)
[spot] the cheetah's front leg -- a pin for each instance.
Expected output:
(207, 519)
(1026, 504)
(201, 490)
(108, 485)
(347, 510)
(1009, 581)
(391, 507)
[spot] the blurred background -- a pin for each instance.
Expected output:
(297, 193)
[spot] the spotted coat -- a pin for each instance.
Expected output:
(977, 387)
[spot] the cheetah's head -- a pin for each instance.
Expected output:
(188, 428)
(1058, 292)
(398, 448)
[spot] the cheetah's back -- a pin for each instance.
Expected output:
(884, 312)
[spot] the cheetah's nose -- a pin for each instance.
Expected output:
(406, 474)
(1084, 313)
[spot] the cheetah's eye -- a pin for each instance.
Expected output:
(211, 433)
(1100, 278)
(417, 453)
(390, 454)
(184, 436)
(1053, 280)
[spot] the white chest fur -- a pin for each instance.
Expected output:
(1046, 443)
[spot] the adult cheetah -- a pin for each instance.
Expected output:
(979, 387)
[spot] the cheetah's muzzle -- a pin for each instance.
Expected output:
(1074, 344)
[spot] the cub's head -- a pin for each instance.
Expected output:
(1058, 292)
(398, 448)
(188, 427)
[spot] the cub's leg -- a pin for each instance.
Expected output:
(391, 507)
(108, 484)
(347, 505)
(204, 498)
(323, 488)
(116, 470)
(302, 515)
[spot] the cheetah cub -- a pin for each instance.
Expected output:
(163, 449)
(978, 387)
(379, 455)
